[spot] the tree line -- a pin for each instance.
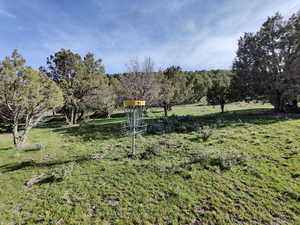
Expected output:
(266, 68)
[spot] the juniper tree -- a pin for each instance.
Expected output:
(264, 63)
(78, 78)
(26, 95)
(218, 93)
(179, 81)
(199, 82)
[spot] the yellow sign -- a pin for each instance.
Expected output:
(134, 103)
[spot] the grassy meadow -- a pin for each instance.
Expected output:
(247, 172)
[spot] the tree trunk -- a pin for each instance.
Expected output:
(75, 116)
(222, 107)
(295, 104)
(15, 133)
(19, 140)
(166, 110)
(222, 104)
(278, 103)
(67, 115)
(81, 116)
(282, 107)
(67, 119)
(72, 117)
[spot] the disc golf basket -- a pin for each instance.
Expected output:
(134, 125)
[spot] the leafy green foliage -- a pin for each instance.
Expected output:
(179, 81)
(265, 65)
(26, 96)
(200, 82)
(219, 91)
(82, 82)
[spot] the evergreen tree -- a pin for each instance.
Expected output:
(26, 96)
(218, 93)
(264, 63)
(79, 79)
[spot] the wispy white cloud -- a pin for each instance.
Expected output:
(195, 34)
(6, 14)
(207, 44)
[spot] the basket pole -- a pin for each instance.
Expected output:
(133, 134)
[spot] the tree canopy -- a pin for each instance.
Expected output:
(266, 61)
(80, 80)
(26, 95)
(219, 91)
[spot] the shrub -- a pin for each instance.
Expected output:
(219, 123)
(190, 127)
(180, 124)
(181, 129)
(150, 152)
(155, 129)
(226, 160)
(223, 159)
(206, 132)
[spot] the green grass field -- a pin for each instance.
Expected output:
(96, 183)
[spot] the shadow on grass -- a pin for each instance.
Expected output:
(53, 122)
(5, 149)
(202, 104)
(32, 150)
(102, 116)
(157, 111)
(50, 180)
(190, 123)
(261, 116)
(26, 148)
(100, 129)
(105, 129)
(10, 167)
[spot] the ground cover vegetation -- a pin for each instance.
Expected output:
(239, 167)
(63, 159)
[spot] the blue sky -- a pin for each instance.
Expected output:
(194, 34)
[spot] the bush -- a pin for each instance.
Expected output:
(192, 127)
(150, 152)
(205, 133)
(181, 129)
(180, 124)
(226, 160)
(155, 129)
(223, 159)
(220, 123)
